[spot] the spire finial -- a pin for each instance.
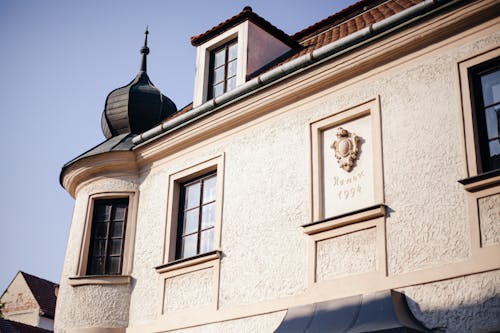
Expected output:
(145, 51)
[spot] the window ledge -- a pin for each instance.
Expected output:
(188, 262)
(333, 222)
(481, 181)
(99, 280)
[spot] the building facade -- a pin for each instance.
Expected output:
(351, 167)
(30, 300)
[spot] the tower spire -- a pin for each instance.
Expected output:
(145, 51)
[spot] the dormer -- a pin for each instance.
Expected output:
(233, 51)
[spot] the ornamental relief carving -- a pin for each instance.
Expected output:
(346, 148)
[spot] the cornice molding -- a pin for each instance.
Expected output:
(106, 164)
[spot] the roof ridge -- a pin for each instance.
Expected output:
(37, 277)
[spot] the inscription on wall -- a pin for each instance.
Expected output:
(347, 182)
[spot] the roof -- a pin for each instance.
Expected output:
(334, 27)
(9, 326)
(346, 22)
(245, 14)
(44, 293)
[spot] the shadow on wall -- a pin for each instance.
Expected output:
(480, 317)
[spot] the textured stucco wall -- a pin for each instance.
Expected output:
(489, 219)
(348, 254)
(267, 200)
(462, 305)
(90, 306)
(189, 291)
(262, 324)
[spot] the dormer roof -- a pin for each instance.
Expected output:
(246, 14)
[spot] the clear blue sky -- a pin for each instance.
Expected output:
(58, 62)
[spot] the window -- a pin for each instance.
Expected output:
(223, 67)
(109, 219)
(485, 95)
(197, 207)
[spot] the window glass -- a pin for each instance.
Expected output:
(486, 90)
(107, 234)
(223, 69)
(196, 226)
(233, 52)
(192, 195)
(209, 190)
(208, 216)
(191, 221)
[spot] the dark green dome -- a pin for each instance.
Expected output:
(136, 107)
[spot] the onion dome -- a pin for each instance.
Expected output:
(136, 107)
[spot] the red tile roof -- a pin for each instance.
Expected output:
(343, 23)
(346, 22)
(9, 326)
(44, 292)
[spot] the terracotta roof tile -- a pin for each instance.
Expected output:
(44, 292)
(345, 22)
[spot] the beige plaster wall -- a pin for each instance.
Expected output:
(92, 305)
(267, 184)
(462, 305)
(348, 254)
(189, 291)
(489, 217)
(265, 323)
(267, 200)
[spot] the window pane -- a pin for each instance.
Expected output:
(113, 265)
(99, 247)
(219, 58)
(100, 212)
(233, 52)
(189, 246)
(207, 240)
(495, 149)
(209, 189)
(231, 83)
(231, 68)
(219, 75)
(192, 195)
(218, 90)
(208, 216)
(190, 221)
(119, 213)
(115, 247)
(96, 266)
(101, 230)
(491, 87)
(117, 229)
(492, 121)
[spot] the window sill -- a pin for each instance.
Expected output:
(189, 262)
(341, 220)
(99, 280)
(481, 181)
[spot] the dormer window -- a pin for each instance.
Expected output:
(234, 51)
(223, 69)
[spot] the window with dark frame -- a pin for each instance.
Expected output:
(485, 89)
(223, 67)
(107, 237)
(195, 232)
